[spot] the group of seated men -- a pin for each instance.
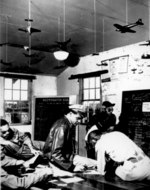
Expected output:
(116, 153)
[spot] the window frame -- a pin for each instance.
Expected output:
(28, 101)
(90, 104)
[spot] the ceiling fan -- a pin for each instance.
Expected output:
(5, 63)
(71, 61)
(46, 48)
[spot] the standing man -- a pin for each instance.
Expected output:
(60, 143)
(104, 118)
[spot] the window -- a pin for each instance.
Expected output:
(17, 100)
(90, 92)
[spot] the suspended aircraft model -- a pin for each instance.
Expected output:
(147, 43)
(145, 56)
(127, 28)
(29, 29)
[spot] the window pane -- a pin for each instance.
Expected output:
(97, 82)
(8, 95)
(92, 82)
(16, 95)
(85, 94)
(16, 84)
(24, 95)
(8, 83)
(24, 84)
(97, 93)
(92, 94)
(85, 83)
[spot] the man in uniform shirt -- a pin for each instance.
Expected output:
(117, 153)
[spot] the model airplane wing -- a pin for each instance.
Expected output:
(29, 30)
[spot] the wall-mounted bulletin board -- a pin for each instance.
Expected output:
(46, 111)
(117, 65)
(136, 110)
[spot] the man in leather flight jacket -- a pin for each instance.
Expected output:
(60, 143)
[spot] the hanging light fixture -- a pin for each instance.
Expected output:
(62, 53)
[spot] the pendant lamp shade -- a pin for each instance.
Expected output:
(61, 55)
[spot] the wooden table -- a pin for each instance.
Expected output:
(94, 182)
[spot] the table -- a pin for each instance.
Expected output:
(93, 182)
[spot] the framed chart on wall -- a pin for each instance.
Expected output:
(46, 111)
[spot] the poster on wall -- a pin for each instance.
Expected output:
(113, 66)
(123, 64)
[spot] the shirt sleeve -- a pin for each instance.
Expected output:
(9, 161)
(100, 149)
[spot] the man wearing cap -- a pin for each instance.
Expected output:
(105, 120)
(60, 143)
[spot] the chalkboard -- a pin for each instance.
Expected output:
(136, 109)
(46, 111)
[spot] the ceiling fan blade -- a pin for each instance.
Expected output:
(5, 63)
(60, 67)
(30, 55)
(64, 43)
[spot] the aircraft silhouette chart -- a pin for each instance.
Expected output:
(127, 28)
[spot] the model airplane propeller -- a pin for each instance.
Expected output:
(29, 29)
(127, 28)
(145, 44)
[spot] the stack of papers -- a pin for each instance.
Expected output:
(71, 179)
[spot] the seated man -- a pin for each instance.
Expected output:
(118, 154)
(16, 144)
(12, 170)
(60, 143)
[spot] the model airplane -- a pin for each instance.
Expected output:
(102, 64)
(127, 28)
(146, 44)
(145, 56)
(29, 29)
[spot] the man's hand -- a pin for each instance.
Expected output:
(3, 141)
(36, 152)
